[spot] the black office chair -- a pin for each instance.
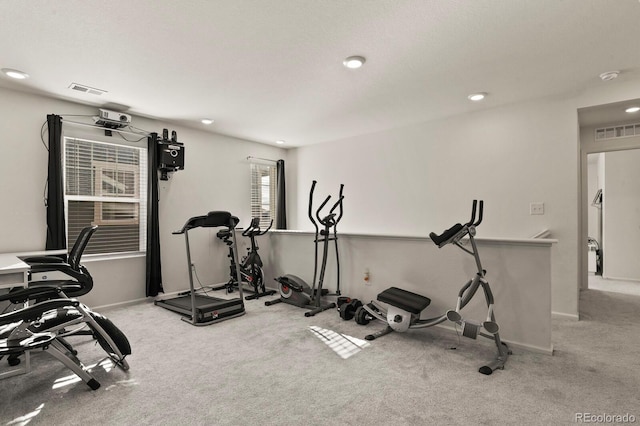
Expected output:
(77, 319)
(65, 273)
(18, 335)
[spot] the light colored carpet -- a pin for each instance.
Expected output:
(269, 367)
(596, 282)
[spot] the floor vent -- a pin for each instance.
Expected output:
(614, 132)
(87, 89)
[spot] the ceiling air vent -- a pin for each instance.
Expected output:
(614, 132)
(86, 89)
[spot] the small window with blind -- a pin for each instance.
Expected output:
(263, 193)
(105, 185)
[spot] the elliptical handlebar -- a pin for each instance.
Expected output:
(326, 200)
(330, 220)
(310, 211)
(340, 197)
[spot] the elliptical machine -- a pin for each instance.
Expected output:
(405, 307)
(250, 265)
(293, 289)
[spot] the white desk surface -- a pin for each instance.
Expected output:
(9, 263)
(40, 253)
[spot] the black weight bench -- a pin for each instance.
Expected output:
(405, 300)
(404, 311)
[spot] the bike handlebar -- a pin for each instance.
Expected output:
(254, 228)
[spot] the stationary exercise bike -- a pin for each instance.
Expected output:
(293, 289)
(404, 307)
(250, 266)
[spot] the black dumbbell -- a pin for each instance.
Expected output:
(363, 316)
(347, 307)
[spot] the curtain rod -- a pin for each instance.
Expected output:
(104, 128)
(249, 158)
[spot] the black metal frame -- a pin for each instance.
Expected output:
(250, 266)
(296, 292)
(453, 235)
(202, 309)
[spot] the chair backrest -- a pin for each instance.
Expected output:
(78, 247)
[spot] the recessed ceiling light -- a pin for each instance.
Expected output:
(632, 109)
(206, 121)
(609, 75)
(280, 142)
(19, 75)
(354, 62)
(477, 96)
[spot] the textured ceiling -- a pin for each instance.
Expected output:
(272, 69)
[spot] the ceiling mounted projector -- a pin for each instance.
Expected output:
(112, 119)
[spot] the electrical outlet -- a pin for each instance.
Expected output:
(536, 208)
(367, 277)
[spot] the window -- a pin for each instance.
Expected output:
(263, 193)
(106, 185)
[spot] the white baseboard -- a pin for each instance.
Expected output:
(120, 304)
(523, 346)
(562, 315)
(529, 348)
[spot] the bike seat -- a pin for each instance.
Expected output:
(223, 233)
(405, 300)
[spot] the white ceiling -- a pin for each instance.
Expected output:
(272, 69)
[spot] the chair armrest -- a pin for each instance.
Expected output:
(21, 294)
(45, 259)
(34, 312)
(61, 267)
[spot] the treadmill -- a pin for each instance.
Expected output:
(200, 309)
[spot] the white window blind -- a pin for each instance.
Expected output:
(106, 185)
(263, 193)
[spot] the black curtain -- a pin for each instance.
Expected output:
(154, 268)
(281, 199)
(56, 227)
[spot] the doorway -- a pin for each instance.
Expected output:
(610, 219)
(613, 236)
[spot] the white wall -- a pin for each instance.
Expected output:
(422, 178)
(216, 177)
(419, 178)
(622, 215)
